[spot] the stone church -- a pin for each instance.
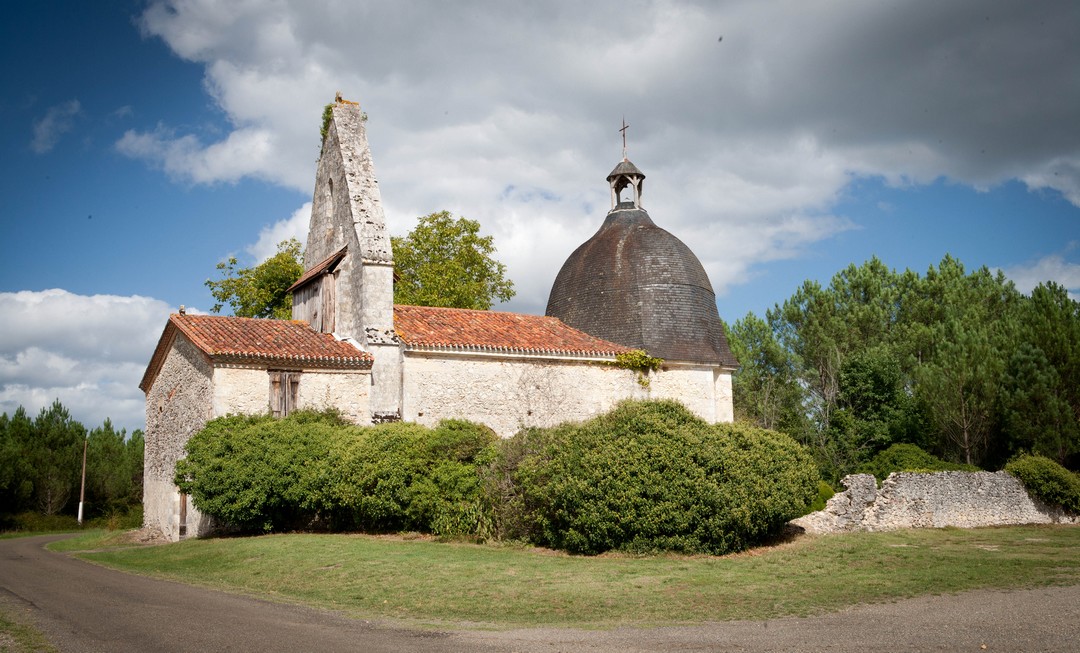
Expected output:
(631, 286)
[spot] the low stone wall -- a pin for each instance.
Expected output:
(937, 500)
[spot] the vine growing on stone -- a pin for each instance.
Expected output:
(638, 360)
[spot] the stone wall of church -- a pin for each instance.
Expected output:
(244, 391)
(247, 391)
(703, 389)
(177, 405)
(507, 393)
(347, 391)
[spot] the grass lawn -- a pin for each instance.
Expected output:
(425, 582)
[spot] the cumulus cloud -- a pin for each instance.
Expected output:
(294, 226)
(1049, 268)
(509, 114)
(186, 158)
(56, 122)
(88, 351)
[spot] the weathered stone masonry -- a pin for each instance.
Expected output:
(937, 500)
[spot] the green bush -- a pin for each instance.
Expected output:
(909, 458)
(447, 499)
(824, 493)
(371, 476)
(313, 470)
(1047, 481)
(649, 476)
(257, 472)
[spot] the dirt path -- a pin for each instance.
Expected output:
(83, 607)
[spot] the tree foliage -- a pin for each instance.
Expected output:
(261, 290)
(445, 261)
(956, 362)
(41, 464)
(909, 458)
(766, 387)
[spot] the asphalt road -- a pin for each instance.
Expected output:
(83, 607)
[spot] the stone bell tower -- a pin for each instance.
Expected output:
(348, 284)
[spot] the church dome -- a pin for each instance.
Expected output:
(635, 284)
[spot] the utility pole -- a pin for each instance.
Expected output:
(82, 488)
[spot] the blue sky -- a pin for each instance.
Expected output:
(143, 142)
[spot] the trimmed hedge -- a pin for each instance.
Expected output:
(649, 476)
(909, 458)
(1047, 481)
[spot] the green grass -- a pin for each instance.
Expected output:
(18, 637)
(421, 581)
(93, 539)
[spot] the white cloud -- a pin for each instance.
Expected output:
(508, 114)
(56, 122)
(294, 226)
(87, 351)
(1049, 268)
(186, 158)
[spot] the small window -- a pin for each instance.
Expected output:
(284, 391)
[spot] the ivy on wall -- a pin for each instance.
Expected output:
(638, 360)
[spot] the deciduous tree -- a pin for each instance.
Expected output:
(261, 290)
(445, 261)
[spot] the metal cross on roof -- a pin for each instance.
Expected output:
(623, 130)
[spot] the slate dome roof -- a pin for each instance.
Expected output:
(635, 284)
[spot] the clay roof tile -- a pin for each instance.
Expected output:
(262, 341)
(463, 329)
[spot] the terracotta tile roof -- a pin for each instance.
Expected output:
(468, 330)
(327, 263)
(249, 340)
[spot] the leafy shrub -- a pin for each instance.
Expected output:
(404, 476)
(649, 476)
(824, 493)
(909, 458)
(447, 499)
(371, 477)
(257, 472)
(1047, 481)
(312, 469)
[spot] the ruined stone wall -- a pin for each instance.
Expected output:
(937, 500)
(178, 404)
(507, 393)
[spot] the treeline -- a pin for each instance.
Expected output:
(41, 466)
(960, 364)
